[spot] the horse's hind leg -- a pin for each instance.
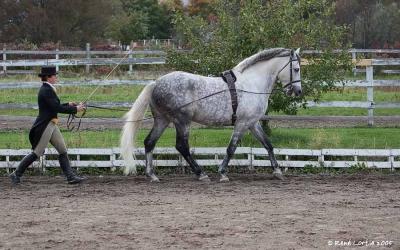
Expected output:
(258, 132)
(182, 145)
(236, 135)
(160, 124)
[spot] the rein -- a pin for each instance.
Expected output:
(71, 118)
(184, 105)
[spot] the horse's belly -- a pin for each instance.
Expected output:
(213, 112)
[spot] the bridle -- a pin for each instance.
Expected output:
(290, 62)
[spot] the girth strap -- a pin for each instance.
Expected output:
(230, 78)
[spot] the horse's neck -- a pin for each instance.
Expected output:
(261, 77)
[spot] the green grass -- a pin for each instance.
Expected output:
(128, 93)
(346, 112)
(282, 138)
(387, 94)
(120, 93)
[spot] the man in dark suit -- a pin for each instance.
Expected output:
(45, 129)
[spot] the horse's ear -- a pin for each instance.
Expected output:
(297, 51)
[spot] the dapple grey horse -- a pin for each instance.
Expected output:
(181, 98)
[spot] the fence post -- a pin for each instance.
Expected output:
(57, 57)
(130, 57)
(354, 57)
(78, 159)
(42, 164)
(87, 57)
(4, 59)
(391, 160)
(112, 160)
(250, 158)
(8, 163)
(370, 94)
(321, 159)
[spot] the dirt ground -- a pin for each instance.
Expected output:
(252, 211)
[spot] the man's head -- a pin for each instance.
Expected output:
(48, 74)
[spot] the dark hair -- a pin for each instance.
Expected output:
(45, 78)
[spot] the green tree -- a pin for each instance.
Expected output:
(372, 23)
(245, 27)
(74, 22)
(140, 19)
(201, 8)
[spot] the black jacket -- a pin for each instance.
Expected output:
(49, 107)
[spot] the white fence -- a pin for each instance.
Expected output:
(244, 157)
(90, 57)
(85, 58)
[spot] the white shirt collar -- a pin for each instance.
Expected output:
(51, 85)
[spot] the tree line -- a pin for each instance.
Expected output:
(369, 24)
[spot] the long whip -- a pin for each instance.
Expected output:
(72, 117)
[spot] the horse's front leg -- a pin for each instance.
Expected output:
(259, 134)
(236, 136)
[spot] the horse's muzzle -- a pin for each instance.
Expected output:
(297, 91)
(289, 91)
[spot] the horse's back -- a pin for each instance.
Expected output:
(201, 98)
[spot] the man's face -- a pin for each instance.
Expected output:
(52, 79)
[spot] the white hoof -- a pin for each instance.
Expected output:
(204, 177)
(223, 178)
(278, 174)
(154, 179)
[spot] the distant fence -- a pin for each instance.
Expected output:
(90, 57)
(85, 58)
(244, 157)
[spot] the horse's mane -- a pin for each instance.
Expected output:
(261, 56)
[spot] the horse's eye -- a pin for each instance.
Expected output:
(297, 70)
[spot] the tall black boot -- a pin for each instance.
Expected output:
(23, 165)
(72, 178)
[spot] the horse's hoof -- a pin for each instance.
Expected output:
(279, 177)
(223, 178)
(204, 177)
(278, 174)
(154, 179)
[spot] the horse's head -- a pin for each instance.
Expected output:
(289, 75)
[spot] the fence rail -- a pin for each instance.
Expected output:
(89, 57)
(244, 157)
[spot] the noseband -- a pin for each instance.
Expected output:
(291, 60)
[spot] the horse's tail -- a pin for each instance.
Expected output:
(132, 123)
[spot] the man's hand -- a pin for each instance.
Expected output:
(81, 107)
(72, 104)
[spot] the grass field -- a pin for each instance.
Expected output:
(128, 93)
(282, 138)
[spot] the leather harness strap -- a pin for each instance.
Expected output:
(230, 78)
